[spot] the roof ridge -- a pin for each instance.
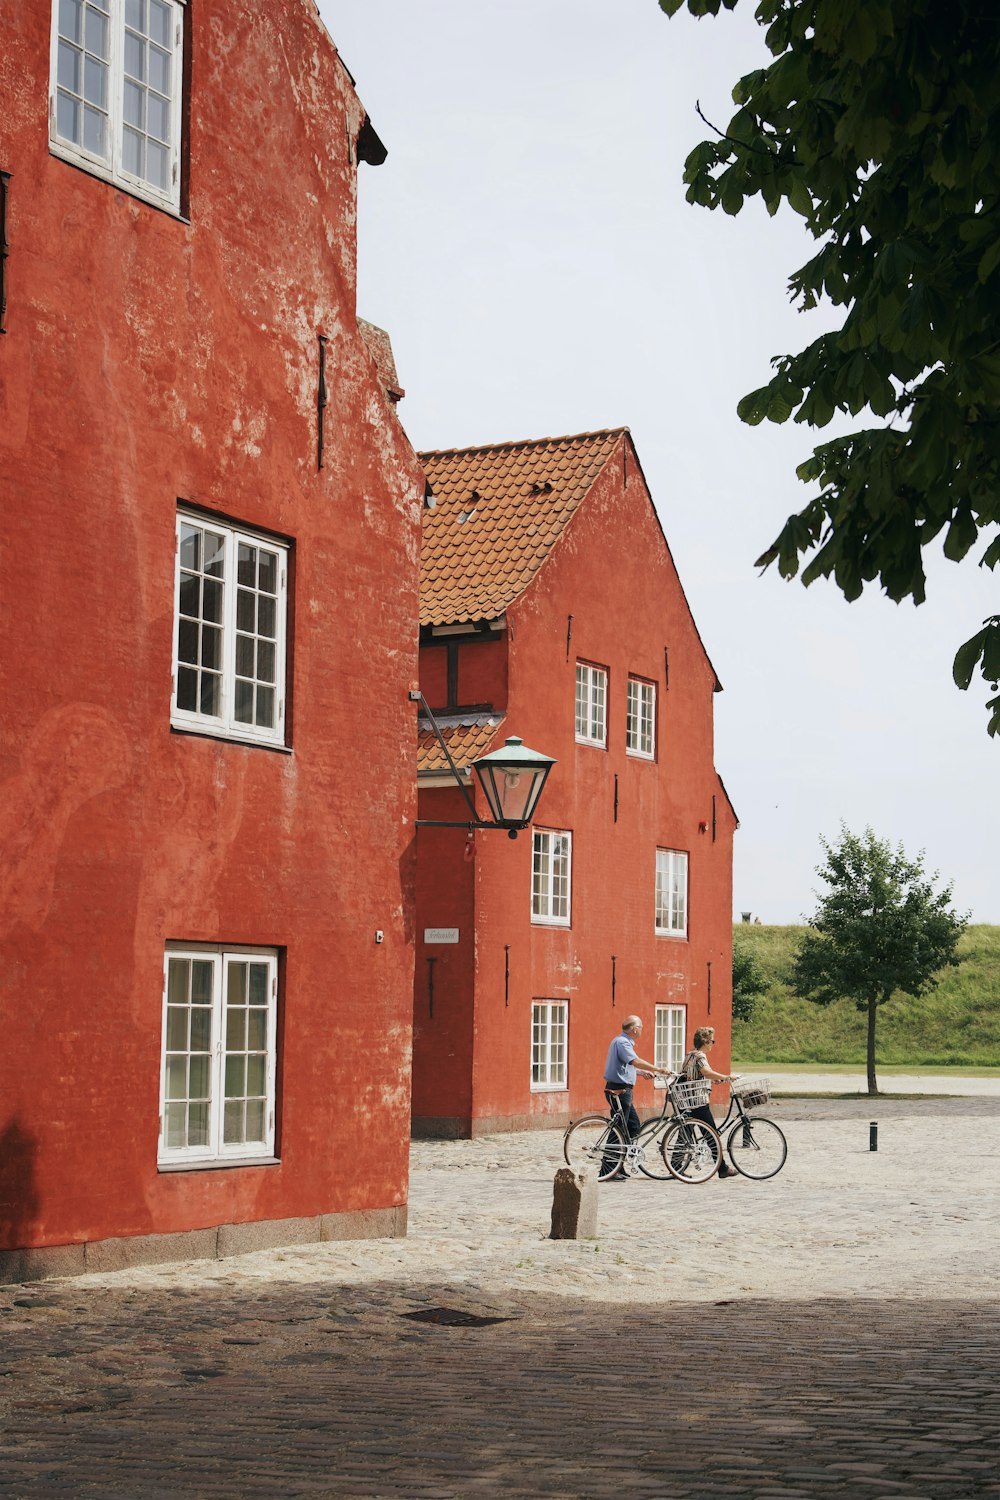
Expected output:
(569, 437)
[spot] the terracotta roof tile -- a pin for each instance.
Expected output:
(467, 739)
(497, 512)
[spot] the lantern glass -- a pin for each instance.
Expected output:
(512, 780)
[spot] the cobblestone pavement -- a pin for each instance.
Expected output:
(297, 1373)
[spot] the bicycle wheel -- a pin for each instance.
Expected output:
(594, 1144)
(757, 1147)
(648, 1152)
(692, 1150)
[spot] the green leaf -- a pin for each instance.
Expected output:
(966, 659)
(989, 262)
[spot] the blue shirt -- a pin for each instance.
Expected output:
(620, 1066)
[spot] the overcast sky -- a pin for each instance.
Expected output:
(529, 249)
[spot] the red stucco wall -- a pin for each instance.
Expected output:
(627, 606)
(149, 360)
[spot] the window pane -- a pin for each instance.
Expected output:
(201, 981)
(211, 696)
(157, 164)
(187, 641)
(175, 1126)
(255, 1120)
(236, 1071)
(247, 566)
(256, 1030)
(265, 708)
(198, 1125)
(71, 19)
(68, 118)
(177, 1029)
(191, 548)
(265, 661)
(187, 689)
(215, 554)
(159, 22)
(201, 1030)
(246, 615)
(177, 1078)
(266, 617)
(256, 1076)
(236, 1030)
(68, 68)
(244, 656)
(96, 34)
(177, 981)
(159, 70)
(244, 703)
(95, 83)
(267, 580)
(159, 117)
(236, 984)
(135, 104)
(198, 1078)
(232, 1130)
(211, 648)
(257, 994)
(211, 600)
(135, 14)
(94, 131)
(132, 155)
(135, 56)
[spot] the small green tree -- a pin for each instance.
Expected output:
(880, 927)
(749, 981)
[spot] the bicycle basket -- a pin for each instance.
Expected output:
(690, 1094)
(752, 1091)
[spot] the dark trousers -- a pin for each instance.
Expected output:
(623, 1102)
(703, 1112)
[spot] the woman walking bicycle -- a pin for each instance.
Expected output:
(696, 1067)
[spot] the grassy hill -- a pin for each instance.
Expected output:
(956, 1025)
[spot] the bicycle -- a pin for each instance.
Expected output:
(756, 1146)
(605, 1142)
(691, 1149)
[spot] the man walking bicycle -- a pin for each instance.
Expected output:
(620, 1074)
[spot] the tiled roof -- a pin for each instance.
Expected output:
(467, 739)
(497, 512)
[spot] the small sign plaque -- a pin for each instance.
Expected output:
(440, 934)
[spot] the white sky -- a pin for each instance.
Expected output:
(529, 249)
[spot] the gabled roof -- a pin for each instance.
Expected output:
(495, 514)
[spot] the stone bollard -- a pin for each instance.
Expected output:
(574, 1206)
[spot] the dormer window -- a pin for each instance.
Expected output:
(115, 96)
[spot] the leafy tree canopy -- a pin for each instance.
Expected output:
(879, 927)
(879, 124)
(749, 981)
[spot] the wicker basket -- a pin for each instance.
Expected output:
(690, 1094)
(752, 1092)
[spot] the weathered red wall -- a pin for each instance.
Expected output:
(626, 607)
(147, 360)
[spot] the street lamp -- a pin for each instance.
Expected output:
(511, 778)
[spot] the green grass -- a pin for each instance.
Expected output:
(957, 1025)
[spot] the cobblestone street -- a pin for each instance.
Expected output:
(680, 1355)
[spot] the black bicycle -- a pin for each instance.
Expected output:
(755, 1146)
(664, 1147)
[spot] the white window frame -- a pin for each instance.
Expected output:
(551, 889)
(671, 893)
(110, 166)
(213, 1059)
(225, 724)
(640, 719)
(670, 1030)
(591, 707)
(549, 1046)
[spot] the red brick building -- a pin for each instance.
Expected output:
(206, 763)
(551, 609)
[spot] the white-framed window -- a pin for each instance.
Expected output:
(591, 704)
(549, 1021)
(230, 616)
(551, 870)
(115, 92)
(640, 720)
(668, 1041)
(671, 892)
(218, 1055)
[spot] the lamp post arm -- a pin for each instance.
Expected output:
(416, 696)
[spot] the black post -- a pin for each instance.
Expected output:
(873, 1136)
